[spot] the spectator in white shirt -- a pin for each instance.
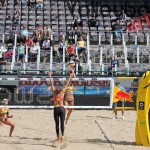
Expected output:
(46, 44)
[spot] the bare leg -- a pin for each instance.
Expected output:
(115, 111)
(122, 113)
(12, 126)
(68, 115)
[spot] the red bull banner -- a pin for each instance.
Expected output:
(91, 92)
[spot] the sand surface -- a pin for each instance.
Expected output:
(86, 130)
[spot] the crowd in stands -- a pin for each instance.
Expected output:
(42, 35)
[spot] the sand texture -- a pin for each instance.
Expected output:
(86, 130)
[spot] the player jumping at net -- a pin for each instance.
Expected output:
(59, 110)
(69, 100)
(4, 115)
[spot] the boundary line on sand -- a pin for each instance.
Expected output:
(105, 136)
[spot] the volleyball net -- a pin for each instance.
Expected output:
(35, 93)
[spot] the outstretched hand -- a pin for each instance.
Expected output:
(11, 116)
(73, 74)
(49, 74)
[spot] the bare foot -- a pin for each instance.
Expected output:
(66, 121)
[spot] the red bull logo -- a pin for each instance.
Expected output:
(120, 95)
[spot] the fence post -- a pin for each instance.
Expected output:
(136, 40)
(101, 55)
(99, 38)
(116, 69)
(76, 68)
(13, 58)
(64, 59)
(123, 41)
(38, 58)
(89, 64)
(138, 57)
(88, 49)
(15, 42)
(51, 59)
(111, 39)
(147, 39)
(3, 38)
(26, 56)
(102, 69)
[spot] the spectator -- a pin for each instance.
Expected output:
(2, 63)
(16, 18)
(39, 4)
(24, 33)
(3, 3)
(33, 52)
(38, 32)
(17, 2)
(29, 42)
(81, 44)
(21, 52)
(38, 42)
(114, 62)
(61, 45)
(46, 44)
(132, 27)
(117, 29)
(47, 31)
(15, 31)
(93, 22)
(122, 16)
(77, 61)
(78, 32)
(77, 22)
(71, 32)
(31, 3)
(70, 50)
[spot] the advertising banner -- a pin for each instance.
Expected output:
(87, 93)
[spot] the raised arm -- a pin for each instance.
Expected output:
(67, 83)
(51, 82)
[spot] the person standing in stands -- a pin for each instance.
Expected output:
(122, 16)
(93, 22)
(77, 22)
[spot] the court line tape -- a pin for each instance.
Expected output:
(105, 136)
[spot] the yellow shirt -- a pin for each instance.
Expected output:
(81, 44)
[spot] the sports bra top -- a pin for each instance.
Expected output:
(4, 111)
(69, 88)
(59, 97)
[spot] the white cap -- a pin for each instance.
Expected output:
(5, 100)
